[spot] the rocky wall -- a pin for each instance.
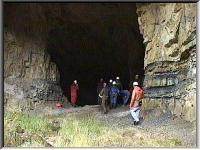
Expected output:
(29, 74)
(169, 32)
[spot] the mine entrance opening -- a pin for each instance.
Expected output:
(88, 48)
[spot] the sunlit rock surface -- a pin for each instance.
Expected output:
(28, 71)
(169, 32)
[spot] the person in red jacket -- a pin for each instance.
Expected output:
(136, 102)
(74, 93)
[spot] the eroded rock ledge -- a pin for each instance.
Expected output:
(169, 32)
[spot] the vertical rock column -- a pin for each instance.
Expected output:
(28, 72)
(169, 32)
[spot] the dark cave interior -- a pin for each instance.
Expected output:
(88, 50)
(87, 41)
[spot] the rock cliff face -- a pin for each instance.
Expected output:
(169, 32)
(28, 72)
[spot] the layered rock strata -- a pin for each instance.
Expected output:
(169, 32)
(29, 73)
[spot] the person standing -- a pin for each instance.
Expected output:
(114, 92)
(138, 79)
(110, 84)
(99, 88)
(109, 88)
(104, 98)
(74, 93)
(136, 102)
(118, 83)
(119, 86)
(125, 96)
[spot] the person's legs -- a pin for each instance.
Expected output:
(111, 101)
(138, 113)
(135, 113)
(126, 97)
(99, 100)
(73, 100)
(119, 98)
(104, 105)
(114, 101)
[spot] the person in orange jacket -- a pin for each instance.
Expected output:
(74, 92)
(136, 102)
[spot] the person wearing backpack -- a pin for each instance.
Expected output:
(136, 102)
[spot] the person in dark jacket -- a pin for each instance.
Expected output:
(119, 84)
(109, 88)
(99, 88)
(74, 93)
(104, 97)
(114, 92)
(125, 94)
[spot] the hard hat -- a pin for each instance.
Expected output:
(117, 78)
(135, 83)
(114, 82)
(110, 80)
(75, 81)
(136, 76)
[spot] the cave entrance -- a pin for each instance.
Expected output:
(99, 40)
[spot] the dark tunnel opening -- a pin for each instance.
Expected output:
(89, 50)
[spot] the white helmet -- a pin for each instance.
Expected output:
(114, 83)
(75, 81)
(111, 81)
(117, 78)
(135, 83)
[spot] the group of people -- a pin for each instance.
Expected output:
(110, 94)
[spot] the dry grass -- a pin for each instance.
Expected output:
(74, 131)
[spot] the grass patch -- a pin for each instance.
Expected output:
(80, 132)
(17, 123)
(76, 131)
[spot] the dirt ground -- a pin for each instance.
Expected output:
(153, 124)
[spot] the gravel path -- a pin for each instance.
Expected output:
(164, 126)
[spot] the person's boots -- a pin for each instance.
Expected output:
(136, 123)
